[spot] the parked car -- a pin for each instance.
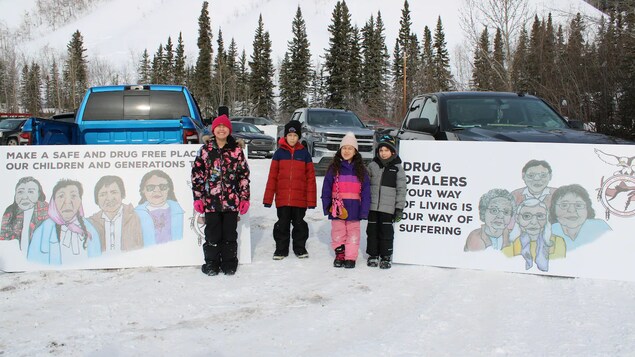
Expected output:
(258, 144)
(492, 116)
(253, 120)
(323, 130)
(10, 129)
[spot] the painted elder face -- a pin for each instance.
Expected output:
(499, 213)
(536, 178)
(532, 220)
(68, 201)
(109, 198)
(571, 210)
(156, 191)
(26, 195)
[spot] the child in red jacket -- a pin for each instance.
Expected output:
(292, 182)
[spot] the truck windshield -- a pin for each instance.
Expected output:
(135, 105)
(334, 118)
(501, 112)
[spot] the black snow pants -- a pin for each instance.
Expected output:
(221, 240)
(288, 215)
(380, 234)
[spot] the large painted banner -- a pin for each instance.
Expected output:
(556, 209)
(79, 207)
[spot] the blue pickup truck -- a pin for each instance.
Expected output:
(130, 114)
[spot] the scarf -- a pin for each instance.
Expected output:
(69, 239)
(542, 251)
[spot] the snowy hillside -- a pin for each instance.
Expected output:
(117, 31)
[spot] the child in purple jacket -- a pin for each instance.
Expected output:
(346, 200)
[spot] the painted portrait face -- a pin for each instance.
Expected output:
(536, 178)
(156, 190)
(109, 198)
(532, 220)
(348, 152)
(498, 214)
(26, 195)
(571, 210)
(68, 201)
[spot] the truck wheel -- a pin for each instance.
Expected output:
(12, 141)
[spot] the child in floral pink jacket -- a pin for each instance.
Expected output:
(220, 185)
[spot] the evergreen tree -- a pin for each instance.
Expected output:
(626, 101)
(179, 62)
(534, 58)
(168, 62)
(243, 94)
(295, 71)
(220, 73)
(374, 69)
(144, 70)
(54, 98)
(338, 56)
(427, 62)
(520, 74)
(158, 72)
(405, 58)
(262, 72)
(355, 70)
(443, 79)
(25, 100)
(202, 85)
(499, 71)
(35, 89)
(482, 73)
(75, 71)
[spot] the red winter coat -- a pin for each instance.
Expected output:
(291, 177)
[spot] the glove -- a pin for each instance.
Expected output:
(243, 207)
(397, 216)
(312, 207)
(268, 205)
(199, 206)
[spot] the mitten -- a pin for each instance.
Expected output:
(268, 205)
(397, 216)
(199, 206)
(311, 207)
(243, 207)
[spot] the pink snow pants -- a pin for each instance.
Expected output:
(347, 233)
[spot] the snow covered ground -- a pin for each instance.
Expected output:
(308, 308)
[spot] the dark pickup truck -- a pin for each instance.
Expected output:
(492, 116)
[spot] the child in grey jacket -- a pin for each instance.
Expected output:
(388, 198)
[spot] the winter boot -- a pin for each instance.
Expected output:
(278, 255)
(349, 264)
(210, 269)
(385, 262)
(373, 261)
(339, 257)
(301, 253)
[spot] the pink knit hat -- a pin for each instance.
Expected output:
(223, 119)
(349, 139)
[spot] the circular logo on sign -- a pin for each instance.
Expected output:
(617, 195)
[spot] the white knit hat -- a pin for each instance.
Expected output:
(349, 139)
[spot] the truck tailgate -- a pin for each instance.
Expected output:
(132, 132)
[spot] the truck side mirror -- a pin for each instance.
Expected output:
(207, 121)
(422, 125)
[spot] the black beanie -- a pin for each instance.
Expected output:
(389, 142)
(293, 126)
